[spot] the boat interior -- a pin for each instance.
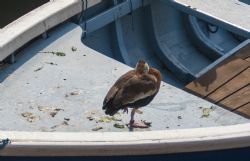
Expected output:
(57, 81)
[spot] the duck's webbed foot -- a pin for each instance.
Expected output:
(138, 124)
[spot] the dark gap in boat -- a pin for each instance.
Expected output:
(13, 9)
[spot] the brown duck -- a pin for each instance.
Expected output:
(135, 89)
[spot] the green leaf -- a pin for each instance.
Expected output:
(119, 126)
(206, 112)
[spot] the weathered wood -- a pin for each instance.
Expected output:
(244, 110)
(237, 99)
(228, 83)
(240, 81)
(217, 76)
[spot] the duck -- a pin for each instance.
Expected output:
(135, 89)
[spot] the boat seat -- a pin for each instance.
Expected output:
(233, 15)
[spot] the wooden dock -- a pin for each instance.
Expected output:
(227, 84)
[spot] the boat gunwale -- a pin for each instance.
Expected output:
(34, 23)
(125, 143)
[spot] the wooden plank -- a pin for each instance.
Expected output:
(241, 80)
(248, 59)
(217, 76)
(244, 52)
(224, 57)
(237, 99)
(244, 110)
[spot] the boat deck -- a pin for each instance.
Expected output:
(46, 90)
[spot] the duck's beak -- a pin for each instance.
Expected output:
(146, 67)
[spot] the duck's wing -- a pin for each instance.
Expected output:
(135, 89)
(116, 87)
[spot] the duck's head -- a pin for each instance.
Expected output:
(142, 67)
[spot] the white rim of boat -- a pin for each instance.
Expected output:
(125, 143)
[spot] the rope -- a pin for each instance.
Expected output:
(82, 17)
(132, 16)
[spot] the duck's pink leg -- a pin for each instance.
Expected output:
(125, 110)
(136, 124)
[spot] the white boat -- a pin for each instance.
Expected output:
(65, 55)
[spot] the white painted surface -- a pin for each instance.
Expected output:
(125, 143)
(34, 23)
